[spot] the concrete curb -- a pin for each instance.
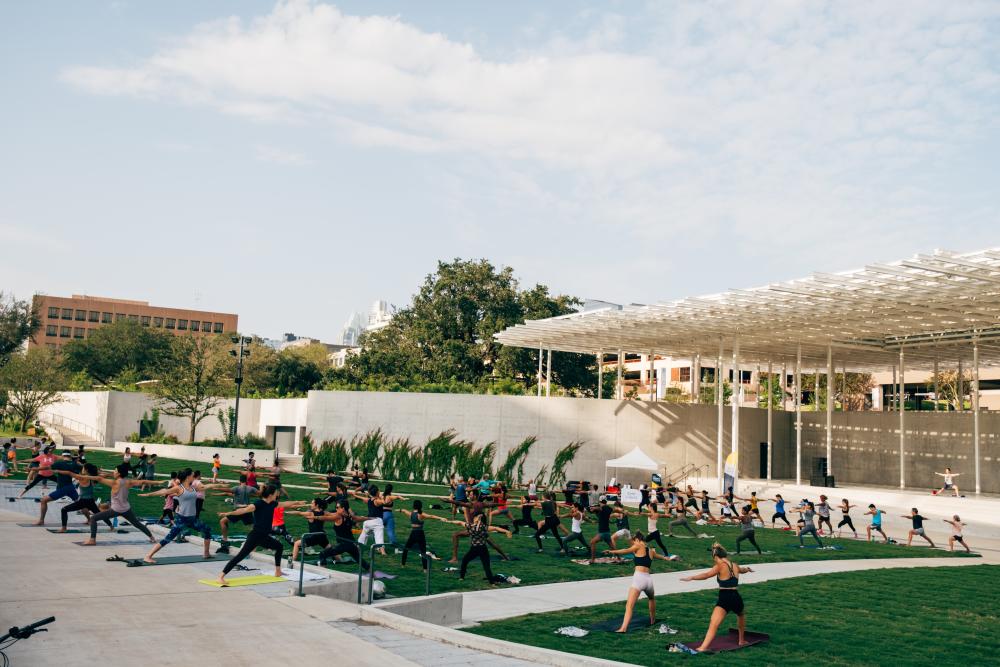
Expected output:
(541, 656)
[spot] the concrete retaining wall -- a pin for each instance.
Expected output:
(228, 456)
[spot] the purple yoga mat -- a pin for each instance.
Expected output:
(730, 642)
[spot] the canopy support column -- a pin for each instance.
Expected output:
(696, 379)
(619, 389)
(548, 375)
(892, 401)
(652, 379)
(734, 441)
(902, 422)
(937, 382)
(784, 385)
(720, 402)
(961, 387)
(831, 382)
(770, 396)
(540, 353)
(975, 409)
(600, 374)
(798, 414)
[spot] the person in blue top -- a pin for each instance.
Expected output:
(876, 524)
(459, 494)
(779, 511)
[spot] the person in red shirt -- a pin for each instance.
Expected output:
(252, 478)
(278, 528)
(44, 461)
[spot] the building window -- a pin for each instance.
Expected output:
(206, 327)
(67, 313)
(81, 315)
(158, 322)
(195, 325)
(106, 318)
(78, 332)
(182, 325)
(51, 330)
(133, 318)
(170, 323)
(64, 332)
(685, 374)
(119, 317)
(217, 327)
(145, 320)
(53, 312)
(93, 316)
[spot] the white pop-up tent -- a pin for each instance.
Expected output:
(636, 459)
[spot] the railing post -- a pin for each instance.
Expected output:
(302, 559)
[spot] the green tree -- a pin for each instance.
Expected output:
(192, 380)
(295, 374)
(124, 350)
(32, 381)
(19, 320)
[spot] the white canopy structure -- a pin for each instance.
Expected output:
(911, 314)
(635, 459)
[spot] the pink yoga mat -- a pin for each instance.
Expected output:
(730, 642)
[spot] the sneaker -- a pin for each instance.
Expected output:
(398, 551)
(224, 549)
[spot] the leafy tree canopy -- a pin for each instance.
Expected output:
(123, 349)
(19, 321)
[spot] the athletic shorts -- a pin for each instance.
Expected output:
(918, 531)
(643, 582)
(876, 526)
(730, 601)
(316, 540)
(503, 512)
(245, 519)
(948, 487)
(624, 532)
(958, 538)
(64, 492)
(604, 536)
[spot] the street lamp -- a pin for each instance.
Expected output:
(244, 351)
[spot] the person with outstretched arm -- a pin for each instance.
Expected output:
(120, 506)
(260, 535)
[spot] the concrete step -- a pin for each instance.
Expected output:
(290, 462)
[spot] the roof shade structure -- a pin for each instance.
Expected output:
(637, 459)
(934, 306)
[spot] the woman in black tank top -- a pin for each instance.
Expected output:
(550, 523)
(316, 516)
(417, 540)
(726, 574)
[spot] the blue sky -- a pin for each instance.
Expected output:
(292, 162)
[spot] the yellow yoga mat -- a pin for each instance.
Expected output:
(244, 581)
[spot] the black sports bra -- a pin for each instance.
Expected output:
(643, 561)
(731, 582)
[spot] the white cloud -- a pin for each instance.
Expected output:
(742, 120)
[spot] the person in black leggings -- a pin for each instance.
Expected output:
(845, 507)
(746, 530)
(86, 504)
(479, 530)
(549, 522)
(260, 534)
(653, 535)
(417, 540)
(343, 525)
(526, 519)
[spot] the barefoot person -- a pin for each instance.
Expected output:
(823, 510)
(876, 524)
(807, 527)
(642, 579)
(64, 470)
(726, 573)
(845, 507)
(186, 516)
(747, 531)
(478, 531)
(956, 533)
(260, 534)
(949, 481)
(779, 511)
(417, 540)
(918, 527)
(86, 504)
(120, 506)
(241, 494)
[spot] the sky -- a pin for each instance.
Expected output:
(294, 161)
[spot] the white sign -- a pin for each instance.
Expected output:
(631, 497)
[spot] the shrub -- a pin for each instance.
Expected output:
(512, 470)
(365, 449)
(394, 456)
(330, 455)
(562, 459)
(439, 457)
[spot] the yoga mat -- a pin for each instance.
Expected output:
(177, 560)
(828, 547)
(603, 560)
(730, 642)
(86, 529)
(50, 525)
(638, 622)
(244, 581)
(117, 543)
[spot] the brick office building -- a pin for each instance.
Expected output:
(68, 318)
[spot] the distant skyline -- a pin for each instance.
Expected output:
(292, 162)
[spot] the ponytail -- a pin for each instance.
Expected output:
(719, 551)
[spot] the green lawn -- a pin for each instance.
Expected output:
(920, 616)
(531, 568)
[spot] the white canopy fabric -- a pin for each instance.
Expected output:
(634, 459)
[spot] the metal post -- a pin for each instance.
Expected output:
(784, 385)
(302, 561)
(770, 395)
(961, 387)
(830, 382)
(540, 353)
(243, 352)
(619, 390)
(696, 379)
(975, 409)
(892, 401)
(816, 396)
(652, 379)
(720, 403)
(937, 384)
(548, 375)
(902, 422)
(600, 374)
(734, 439)
(798, 414)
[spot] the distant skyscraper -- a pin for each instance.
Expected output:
(379, 316)
(351, 333)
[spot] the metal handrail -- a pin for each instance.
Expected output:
(74, 424)
(302, 558)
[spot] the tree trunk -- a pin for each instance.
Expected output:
(194, 425)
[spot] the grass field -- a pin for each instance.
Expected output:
(920, 616)
(531, 568)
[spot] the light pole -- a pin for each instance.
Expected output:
(244, 351)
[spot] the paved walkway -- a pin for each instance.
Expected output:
(494, 604)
